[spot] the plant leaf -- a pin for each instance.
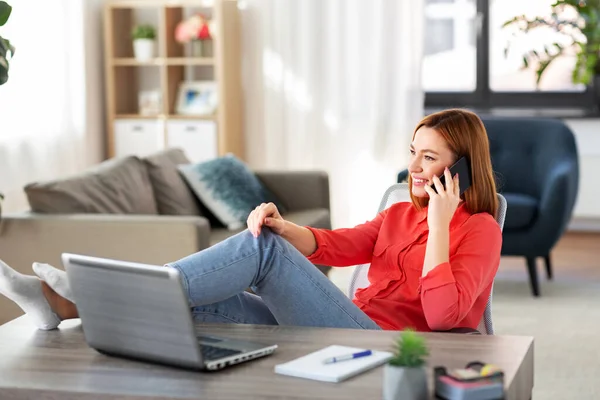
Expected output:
(5, 49)
(5, 11)
(3, 70)
(410, 350)
(513, 20)
(542, 68)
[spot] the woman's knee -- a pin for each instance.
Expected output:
(268, 238)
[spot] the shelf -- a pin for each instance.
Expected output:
(139, 116)
(207, 4)
(187, 117)
(190, 61)
(132, 62)
(169, 117)
(172, 64)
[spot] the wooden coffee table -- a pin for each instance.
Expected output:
(59, 365)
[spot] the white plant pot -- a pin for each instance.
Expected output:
(143, 49)
(404, 383)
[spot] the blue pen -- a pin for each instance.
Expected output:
(347, 357)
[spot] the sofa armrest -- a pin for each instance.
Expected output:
(298, 190)
(153, 239)
(29, 237)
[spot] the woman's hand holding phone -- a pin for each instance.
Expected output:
(444, 203)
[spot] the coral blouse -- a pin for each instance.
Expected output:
(453, 294)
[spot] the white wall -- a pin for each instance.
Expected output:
(586, 215)
(47, 155)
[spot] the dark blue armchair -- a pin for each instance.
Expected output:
(537, 170)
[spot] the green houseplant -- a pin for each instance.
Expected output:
(404, 375)
(6, 49)
(6, 52)
(143, 42)
(578, 22)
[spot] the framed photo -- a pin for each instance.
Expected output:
(197, 98)
(150, 102)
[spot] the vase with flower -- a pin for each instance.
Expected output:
(197, 31)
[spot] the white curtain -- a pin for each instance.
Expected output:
(333, 85)
(51, 107)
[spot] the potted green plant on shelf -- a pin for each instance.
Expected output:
(578, 24)
(143, 42)
(6, 49)
(404, 376)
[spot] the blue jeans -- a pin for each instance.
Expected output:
(290, 289)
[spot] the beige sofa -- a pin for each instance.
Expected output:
(105, 212)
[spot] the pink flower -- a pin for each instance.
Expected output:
(195, 27)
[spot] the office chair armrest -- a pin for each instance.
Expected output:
(402, 176)
(466, 331)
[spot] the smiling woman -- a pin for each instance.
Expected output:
(439, 140)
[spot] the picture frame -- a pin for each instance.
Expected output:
(150, 102)
(197, 98)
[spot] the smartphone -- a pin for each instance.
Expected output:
(464, 175)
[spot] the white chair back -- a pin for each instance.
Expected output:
(397, 193)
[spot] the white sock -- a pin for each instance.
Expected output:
(55, 278)
(26, 291)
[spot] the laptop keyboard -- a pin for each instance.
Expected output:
(214, 353)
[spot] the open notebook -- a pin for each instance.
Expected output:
(311, 366)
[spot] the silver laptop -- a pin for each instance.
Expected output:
(140, 311)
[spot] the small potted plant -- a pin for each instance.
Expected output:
(143, 42)
(404, 376)
(197, 30)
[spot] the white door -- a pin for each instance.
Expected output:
(197, 138)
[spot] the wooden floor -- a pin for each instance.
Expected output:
(575, 254)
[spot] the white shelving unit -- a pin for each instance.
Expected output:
(202, 137)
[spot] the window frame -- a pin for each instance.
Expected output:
(485, 98)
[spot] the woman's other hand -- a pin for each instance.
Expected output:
(265, 215)
(444, 203)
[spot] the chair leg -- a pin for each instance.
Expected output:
(533, 279)
(548, 267)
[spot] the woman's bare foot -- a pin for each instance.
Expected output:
(62, 307)
(56, 278)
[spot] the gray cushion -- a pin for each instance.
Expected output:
(228, 188)
(521, 210)
(116, 186)
(173, 196)
(316, 218)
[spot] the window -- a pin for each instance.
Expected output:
(449, 64)
(465, 62)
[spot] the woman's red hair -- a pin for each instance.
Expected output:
(466, 136)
